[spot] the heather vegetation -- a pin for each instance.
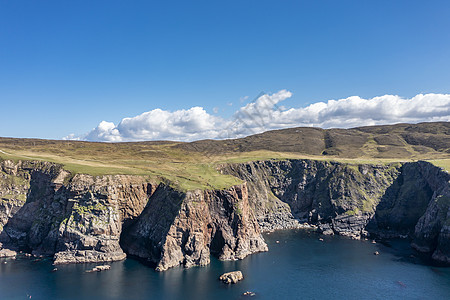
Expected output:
(195, 165)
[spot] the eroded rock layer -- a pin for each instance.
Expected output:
(185, 228)
(394, 200)
(46, 211)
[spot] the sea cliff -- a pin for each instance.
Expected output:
(385, 201)
(46, 210)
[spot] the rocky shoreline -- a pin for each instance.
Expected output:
(81, 219)
(44, 210)
(358, 201)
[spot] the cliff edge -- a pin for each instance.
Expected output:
(44, 210)
(394, 200)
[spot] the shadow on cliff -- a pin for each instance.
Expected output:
(35, 224)
(144, 236)
(403, 203)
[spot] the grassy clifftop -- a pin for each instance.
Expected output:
(194, 165)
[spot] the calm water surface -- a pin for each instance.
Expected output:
(298, 266)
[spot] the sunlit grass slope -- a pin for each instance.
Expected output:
(194, 165)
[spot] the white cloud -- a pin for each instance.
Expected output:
(265, 114)
(105, 131)
(356, 111)
(257, 116)
(72, 137)
(191, 124)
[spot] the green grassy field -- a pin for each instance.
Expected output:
(443, 163)
(194, 165)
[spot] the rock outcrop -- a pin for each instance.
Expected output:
(393, 200)
(76, 219)
(44, 210)
(7, 252)
(91, 229)
(342, 196)
(432, 231)
(185, 228)
(231, 277)
(99, 268)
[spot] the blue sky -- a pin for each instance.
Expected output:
(65, 66)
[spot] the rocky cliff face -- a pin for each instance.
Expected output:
(185, 228)
(318, 192)
(432, 231)
(46, 211)
(383, 200)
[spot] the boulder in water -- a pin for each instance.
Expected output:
(99, 268)
(7, 253)
(232, 277)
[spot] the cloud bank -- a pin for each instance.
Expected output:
(266, 114)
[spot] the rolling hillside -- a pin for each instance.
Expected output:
(194, 165)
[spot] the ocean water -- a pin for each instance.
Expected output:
(297, 266)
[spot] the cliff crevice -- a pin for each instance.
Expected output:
(44, 210)
(392, 200)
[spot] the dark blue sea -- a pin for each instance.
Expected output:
(297, 266)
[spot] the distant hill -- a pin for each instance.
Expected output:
(195, 164)
(386, 141)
